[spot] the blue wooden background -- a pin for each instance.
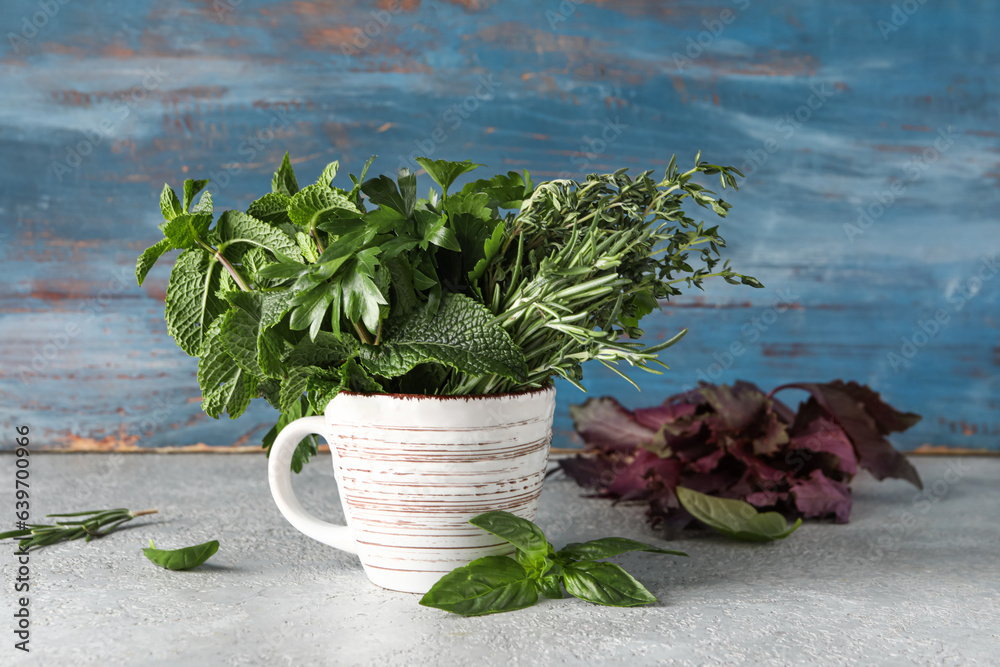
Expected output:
(869, 132)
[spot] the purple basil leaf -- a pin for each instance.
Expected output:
(591, 472)
(823, 435)
(603, 423)
(735, 406)
(887, 418)
(875, 453)
(773, 434)
(654, 418)
(766, 498)
(819, 496)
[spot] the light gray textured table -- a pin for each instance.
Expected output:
(912, 580)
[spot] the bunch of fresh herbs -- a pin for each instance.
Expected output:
(495, 287)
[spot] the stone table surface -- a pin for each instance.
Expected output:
(914, 579)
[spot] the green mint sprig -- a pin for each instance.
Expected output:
(496, 584)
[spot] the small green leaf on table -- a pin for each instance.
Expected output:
(181, 559)
(735, 518)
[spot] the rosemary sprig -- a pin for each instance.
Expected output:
(97, 523)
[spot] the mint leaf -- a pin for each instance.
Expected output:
(170, 206)
(283, 180)
(484, 586)
(329, 173)
(462, 334)
(204, 204)
(321, 388)
(186, 230)
(235, 227)
(355, 378)
(318, 204)
(444, 172)
(272, 208)
(295, 385)
(605, 584)
(149, 256)
(224, 385)
(239, 336)
(191, 188)
(735, 518)
(191, 303)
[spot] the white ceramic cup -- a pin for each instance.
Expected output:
(412, 471)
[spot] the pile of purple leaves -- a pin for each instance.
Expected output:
(738, 442)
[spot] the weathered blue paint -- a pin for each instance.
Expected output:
(222, 88)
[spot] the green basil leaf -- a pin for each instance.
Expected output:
(608, 547)
(735, 518)
(181, 559)
(522, 533)
(485, 586)
(604, 583)
(550, 587)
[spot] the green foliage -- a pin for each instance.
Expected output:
(497, 583)
(736, 518)
(185, 558)
(493, 287)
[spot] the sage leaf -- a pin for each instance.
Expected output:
(608, 547)
(181, 559)
(485, 586)
(735, 518)
(604, 583)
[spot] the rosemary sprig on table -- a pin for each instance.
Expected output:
(97, 523)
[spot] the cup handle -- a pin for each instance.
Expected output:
(279, 475)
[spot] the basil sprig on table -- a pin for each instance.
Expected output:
(735, 518)
(499, 583)
(181, 559)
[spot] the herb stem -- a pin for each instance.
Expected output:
(229, 267)
(362, 334)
